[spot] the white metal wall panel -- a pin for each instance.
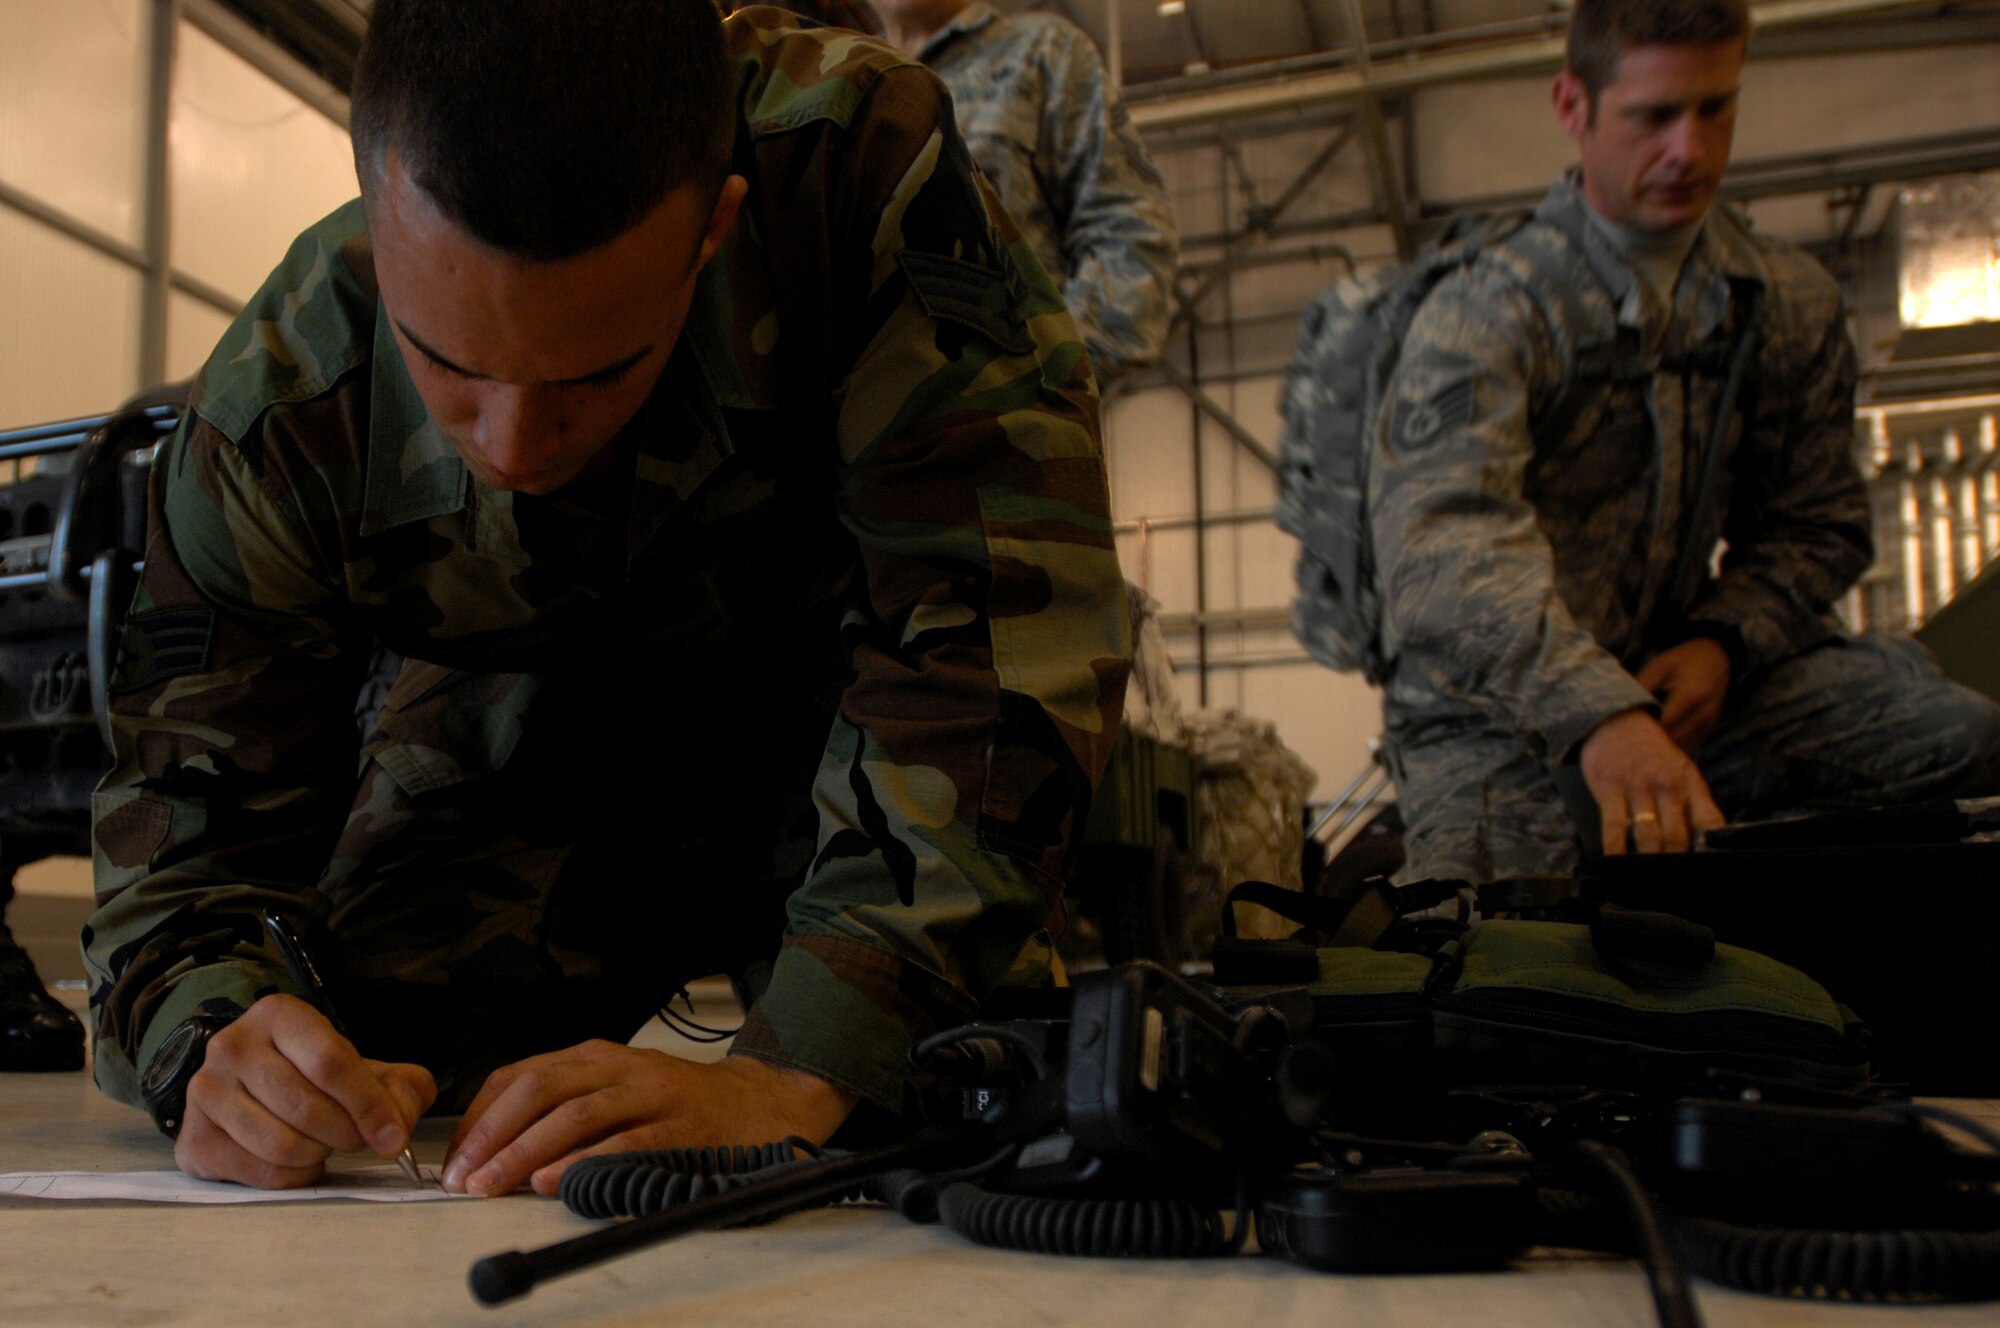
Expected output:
(69, 343)
(73, 106)
(1149, 458)
(1824, 102)
(1475, 140)
(1328, 718)
(252, 167)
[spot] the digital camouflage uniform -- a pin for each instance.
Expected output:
(1537, 459)
(840, 656)
(1050, 131)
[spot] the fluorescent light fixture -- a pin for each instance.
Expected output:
(1949, 238)
(1168, 8)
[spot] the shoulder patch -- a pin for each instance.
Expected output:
(1451, 407)
(162, 644)
(972, 295)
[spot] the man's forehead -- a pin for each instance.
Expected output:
(481, 314)
(1666, 72)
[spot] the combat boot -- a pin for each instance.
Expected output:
(37, 1032)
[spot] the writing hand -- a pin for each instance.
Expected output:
(533, 1118)
(1645, 786)
(1692, 681)
(279, 1091)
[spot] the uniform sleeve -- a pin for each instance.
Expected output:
(988, 647)
(1797, 531)
(1111, 205)
(233, 756)
(1467, 577)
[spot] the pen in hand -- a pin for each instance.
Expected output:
(300, 965)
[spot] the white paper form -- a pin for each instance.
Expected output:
(385, 1184)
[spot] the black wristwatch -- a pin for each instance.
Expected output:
(164, 1085)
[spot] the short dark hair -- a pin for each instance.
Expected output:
(544, 128)
(1600, 31)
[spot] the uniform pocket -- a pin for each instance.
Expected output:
(441, 728)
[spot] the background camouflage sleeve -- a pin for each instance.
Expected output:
(1469, 598)
(989, 646)
(1118, 236)
(1032, 98)
(1798, 522)
(235, 748)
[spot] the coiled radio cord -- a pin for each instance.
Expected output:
(639, 1184)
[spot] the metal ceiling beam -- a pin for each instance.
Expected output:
(1517, 56)
(1245, 131)
(1114, 45)
(1765, 177)
(156, 277)
(1196, 36)
(1263, 258)
(264, 53)
(1813, 172)
(1313, 34)
(1240, 248)
(1382, 165)
(1218, 412)
(1309, 228)
(1262, 226)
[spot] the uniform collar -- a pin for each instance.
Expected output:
(414, 472)
(1723, 255)
(969, 19)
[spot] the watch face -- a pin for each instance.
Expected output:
(173, 1055)
(164, 1084)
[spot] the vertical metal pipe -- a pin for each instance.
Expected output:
(1234, 533)
(1965, 506)
(1200, 524)
(1989, 482)
(157, 280)
(1939, 531)
(1913, 540)
(1200, 479)
(1114, 44)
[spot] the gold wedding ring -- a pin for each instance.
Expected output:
(1645, 816)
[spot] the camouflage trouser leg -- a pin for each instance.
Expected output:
(1856, 722)
(499, 891)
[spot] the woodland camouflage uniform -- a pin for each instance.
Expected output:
(837, 660)
(1045, 124)
(1536, 463)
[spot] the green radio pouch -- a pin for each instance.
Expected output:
(1550, 1002)
(1640, 1001)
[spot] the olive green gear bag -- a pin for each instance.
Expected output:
(1630, 1000)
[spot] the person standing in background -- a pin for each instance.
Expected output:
(1043, 121)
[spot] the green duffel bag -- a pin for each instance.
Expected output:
(1629, 1000)
(1546, 1002)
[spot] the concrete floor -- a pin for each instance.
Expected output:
(367, 1264)
(117, 1264)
